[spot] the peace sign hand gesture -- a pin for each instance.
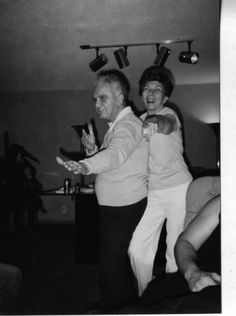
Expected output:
(88, 140)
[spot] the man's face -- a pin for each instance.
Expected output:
(108, 100)
(153, 96)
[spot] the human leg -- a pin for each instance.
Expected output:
(143, 246)
(116, 228)
(10, 282)
(176, 211)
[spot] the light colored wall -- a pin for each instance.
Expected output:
(41, 122)
(199, 105)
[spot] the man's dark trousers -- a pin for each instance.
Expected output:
(117, 224)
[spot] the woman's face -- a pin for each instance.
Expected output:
(153, 96)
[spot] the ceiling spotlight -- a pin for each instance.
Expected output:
(121, 57)
(162, 55)
(189, 56)
(98, 62)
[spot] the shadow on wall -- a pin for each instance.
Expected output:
(19, 188)
(79, 155)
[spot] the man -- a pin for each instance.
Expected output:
(10, 282)
(168, 177)
(121, 166)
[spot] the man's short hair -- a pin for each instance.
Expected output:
(160, 74)
(114, 75)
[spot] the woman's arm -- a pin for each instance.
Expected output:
(165, 124)
(188, 243)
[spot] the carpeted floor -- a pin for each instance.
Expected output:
(53, 282)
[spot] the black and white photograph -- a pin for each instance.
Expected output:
(117, 154)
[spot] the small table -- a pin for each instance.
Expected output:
(86, 228)
(86, 223)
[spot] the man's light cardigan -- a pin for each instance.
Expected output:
(121, 164)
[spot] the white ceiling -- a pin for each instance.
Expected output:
(40, 39)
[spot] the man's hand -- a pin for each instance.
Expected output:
(198, 280)
(74, 166)
(88, 140)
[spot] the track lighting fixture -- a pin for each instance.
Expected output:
(162, 55)
(121, 57)
(189, 56)
(99, 61)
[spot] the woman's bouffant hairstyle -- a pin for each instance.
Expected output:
(160, 74)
